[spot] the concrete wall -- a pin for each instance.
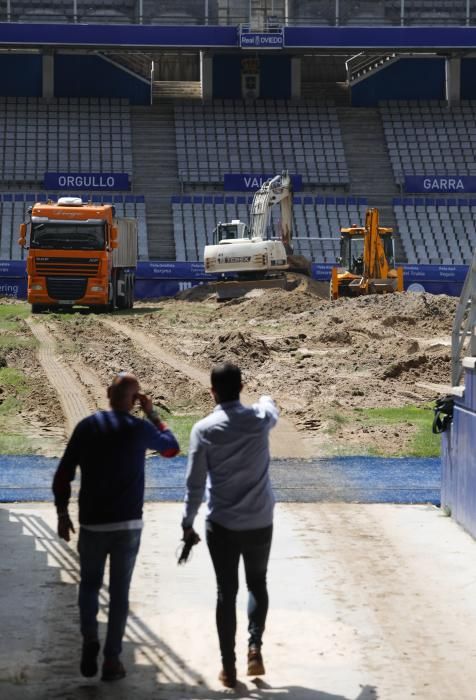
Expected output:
(468, 78)
(79, 75)
(406, 79)
(21, 75)
(458, 484)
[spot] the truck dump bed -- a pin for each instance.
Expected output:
(125, 255)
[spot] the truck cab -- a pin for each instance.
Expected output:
(79, 254)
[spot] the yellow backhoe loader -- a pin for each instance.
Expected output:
(367, 261)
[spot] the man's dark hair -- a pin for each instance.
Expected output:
(226, 381)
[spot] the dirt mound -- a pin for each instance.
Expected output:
(200, 292)
(238, 346)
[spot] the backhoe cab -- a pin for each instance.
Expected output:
(367, 261)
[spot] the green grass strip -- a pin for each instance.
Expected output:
(181, 427)
(422, 443)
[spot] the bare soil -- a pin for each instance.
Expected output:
(315, 357)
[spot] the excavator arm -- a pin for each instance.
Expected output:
(271, 192)
(375, 261)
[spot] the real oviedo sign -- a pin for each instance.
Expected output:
(440, 184)
(86, 181)
(253, 40)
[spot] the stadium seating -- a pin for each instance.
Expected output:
(436, 231)
(62, 10)
(14, 206)
(427, 138)
(262, 137)
(428, 11)
(235, 12)
(63, 135)
(315, 221)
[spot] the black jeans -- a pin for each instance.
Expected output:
(225, 548)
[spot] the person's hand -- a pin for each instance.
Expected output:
(145, 403)
(189, 532)
(65, 526)
(190, 538)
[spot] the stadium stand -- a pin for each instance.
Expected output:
(14, 206)
(315, 221)
(266, 136)
(428, 138)
(427, 11)
(63, 10)
(63, 135)
(436, 231)
(320, 12)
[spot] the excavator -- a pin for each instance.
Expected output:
(367, 260)
(244, 256)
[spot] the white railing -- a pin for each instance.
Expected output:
(362, 64)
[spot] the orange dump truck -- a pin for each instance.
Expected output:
(79, 254)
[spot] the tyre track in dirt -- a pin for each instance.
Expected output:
(286, 441)
(71, 394)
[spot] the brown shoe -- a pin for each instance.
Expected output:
(228, 677)
(112, 669)
(255, 662)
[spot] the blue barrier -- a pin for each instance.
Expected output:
(458, 484)
(12, 33)
(133, 35)
(163, 278)
(380, 37)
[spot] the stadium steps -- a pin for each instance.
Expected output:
(370, 171)
(155, 173)
(366, 153)
(338, 92)
(177, 89)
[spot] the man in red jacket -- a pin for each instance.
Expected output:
(109, 447)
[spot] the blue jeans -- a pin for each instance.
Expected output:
(94, 547)
(226, 546)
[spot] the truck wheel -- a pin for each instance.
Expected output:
(132, 286)
(113, 301)
(38, 308)
(130, 292)
(121, 299)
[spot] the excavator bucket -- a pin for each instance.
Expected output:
(299, 263)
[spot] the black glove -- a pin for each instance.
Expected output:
(190, 538)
